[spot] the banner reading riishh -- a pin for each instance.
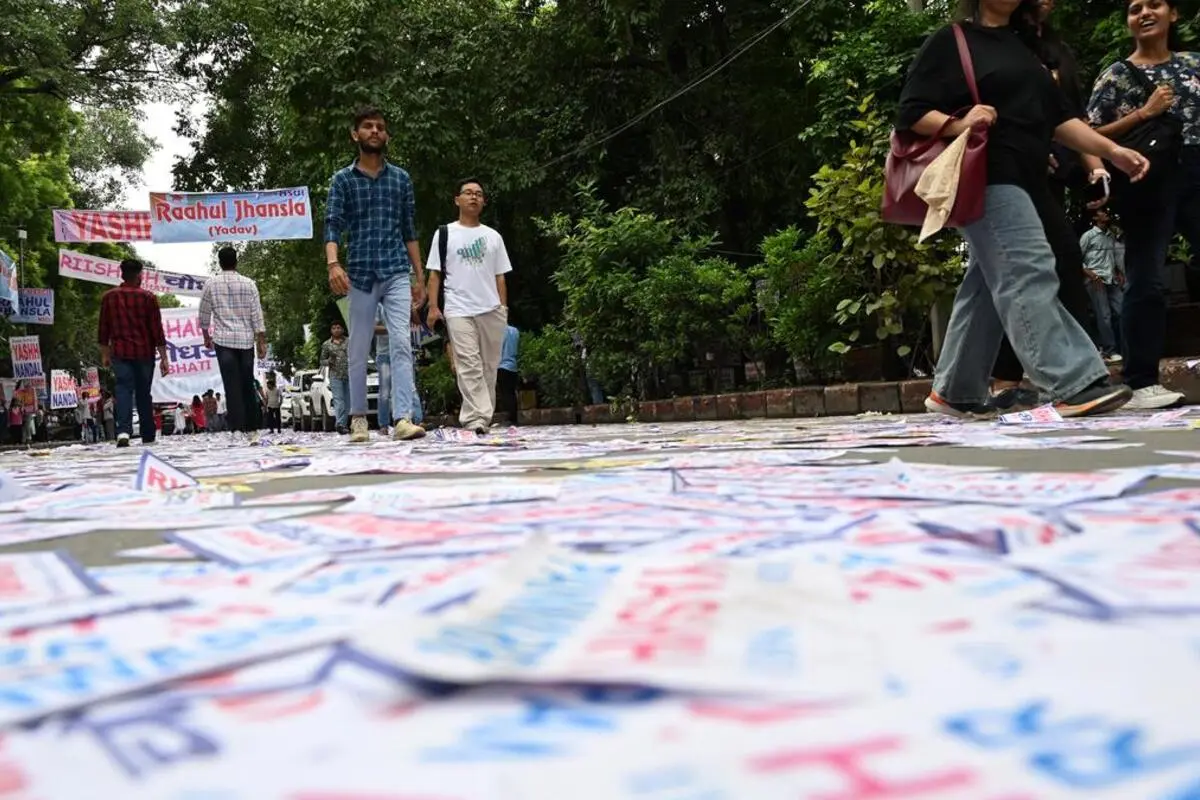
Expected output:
(230, 216)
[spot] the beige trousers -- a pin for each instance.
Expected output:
(477, 342)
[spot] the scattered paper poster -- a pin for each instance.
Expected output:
(1041, 414)
(134, 657)
(715, 626)
(156, 475)
(32, 579)
(169, 551)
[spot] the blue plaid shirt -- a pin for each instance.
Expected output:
(378, 214)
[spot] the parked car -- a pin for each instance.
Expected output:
(311, 406)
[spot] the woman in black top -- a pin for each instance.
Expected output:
(1010, 284)
(1067, 169)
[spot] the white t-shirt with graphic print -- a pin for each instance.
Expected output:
(476, 256)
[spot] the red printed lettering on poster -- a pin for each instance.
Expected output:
(909, 578)
(272, 705)
(670, 618)
(223, 615)
(13, 781)
(438, 577)
(397, 530)
(861, 784)
(749, 713)
(157, 479)
(11, 584)
(253, 539)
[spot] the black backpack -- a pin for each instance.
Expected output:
(442, 246)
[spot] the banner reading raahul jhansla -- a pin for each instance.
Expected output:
(230, 216)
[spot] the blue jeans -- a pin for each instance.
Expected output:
(1010, 287)
(383, 361)
(395, 296)
(1106, 301)
(133, 384)
(340, 387)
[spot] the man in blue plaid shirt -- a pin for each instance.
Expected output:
(371, 203)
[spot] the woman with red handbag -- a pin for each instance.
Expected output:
(1151, 102)
(1010, 285)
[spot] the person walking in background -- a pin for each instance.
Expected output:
(1104, 259)
(507, 377)
(335, 360)
(222, 411)
(476, 310)
(110, 422)
(274, 397)
(16, 423)
(199, 419)
(231, 318)
(372, 201)
(1156, 87)
(210, 411)
(179, 420)
(130, 331)
(1010, 285)
(1067, 170)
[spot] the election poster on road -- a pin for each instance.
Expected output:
(63, 393)
(27, 359)
(84, 267)
(34, 307)
(230, 216)
(193, 366)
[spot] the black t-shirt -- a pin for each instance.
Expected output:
(1010, 77)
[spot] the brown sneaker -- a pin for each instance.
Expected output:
(405, 430)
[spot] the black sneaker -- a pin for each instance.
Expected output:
(1012, 399)
(936, 404)
(480, 430)
(1099, 398)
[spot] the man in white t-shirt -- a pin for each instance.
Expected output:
(476, 310)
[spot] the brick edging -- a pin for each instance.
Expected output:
(847, 399)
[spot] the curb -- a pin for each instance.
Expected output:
(847, 399)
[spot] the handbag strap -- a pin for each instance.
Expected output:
(968, 66)
(1140, 78)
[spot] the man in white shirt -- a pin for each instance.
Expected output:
(231, 318)
(476, 309)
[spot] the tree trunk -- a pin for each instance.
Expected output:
(916, 5)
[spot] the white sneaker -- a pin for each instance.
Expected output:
(1153, 397)
(404, 430)
(359, 430)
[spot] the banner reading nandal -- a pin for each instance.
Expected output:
(104, 270)
(63, 391)
(26, 357)
(230, 216)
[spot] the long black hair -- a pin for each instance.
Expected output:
(1024, 20)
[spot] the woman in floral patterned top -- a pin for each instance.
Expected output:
(1119, 104)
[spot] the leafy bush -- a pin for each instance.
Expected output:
(895, 278)
(802, 287)
(438, 387)
(643, 296)
(550, 361)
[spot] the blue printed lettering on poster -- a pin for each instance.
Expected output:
(52, 651)
(148, 739)
(532, 624)
(773, 650)
(1086, 752)
(324, 583)
(992, 659)
(545, 727)
(79, 681)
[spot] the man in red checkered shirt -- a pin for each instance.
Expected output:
(131, 330)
